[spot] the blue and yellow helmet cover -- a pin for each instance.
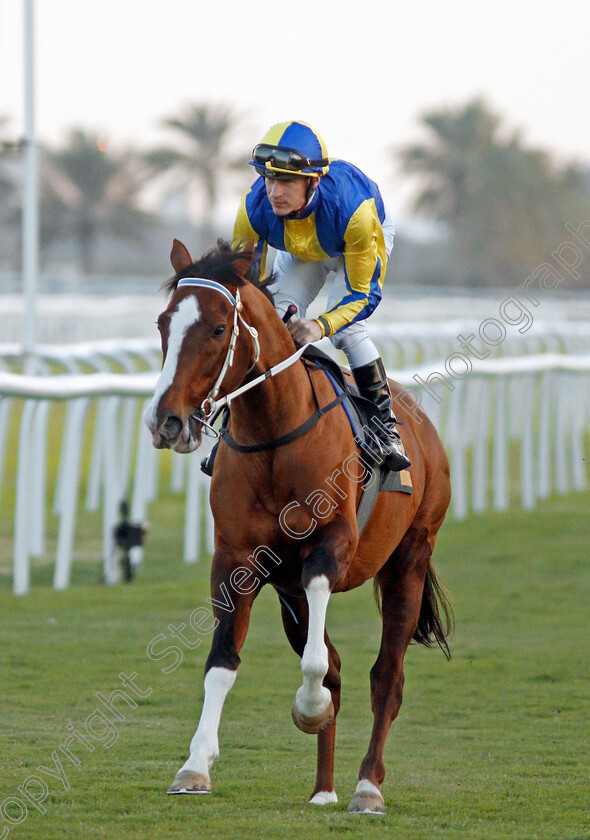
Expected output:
(301, 137)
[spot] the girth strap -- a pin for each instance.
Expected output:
(281, 441)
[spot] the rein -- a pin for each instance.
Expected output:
(211, 406)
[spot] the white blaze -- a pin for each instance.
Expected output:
(187, 313)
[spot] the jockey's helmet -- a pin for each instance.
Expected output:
(289, 150)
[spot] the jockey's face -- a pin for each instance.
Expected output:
(286, 196)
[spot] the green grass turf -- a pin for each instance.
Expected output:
(491, 745)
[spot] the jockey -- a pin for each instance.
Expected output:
(323, 217)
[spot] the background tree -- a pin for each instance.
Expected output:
(89, 192)
(203, 158)
(503, 205)
(10, 196)
(7, 153)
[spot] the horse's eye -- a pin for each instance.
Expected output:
(219, 330)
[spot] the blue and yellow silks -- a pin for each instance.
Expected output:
(344, 218)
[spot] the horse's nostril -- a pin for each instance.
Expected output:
(171, 427)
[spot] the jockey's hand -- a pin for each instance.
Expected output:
(304, 331)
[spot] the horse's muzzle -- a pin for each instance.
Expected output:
(174, 433)
(171, 428)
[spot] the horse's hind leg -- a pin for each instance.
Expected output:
(402, 582)
(295, 621)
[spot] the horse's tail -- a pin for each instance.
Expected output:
(436, 621)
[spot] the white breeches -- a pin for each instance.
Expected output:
(300, 283)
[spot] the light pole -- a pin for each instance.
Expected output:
(30, 235)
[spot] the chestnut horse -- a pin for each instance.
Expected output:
(285, 505)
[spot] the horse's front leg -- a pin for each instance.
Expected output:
(325, 561)
(232, 616)
(295, 620)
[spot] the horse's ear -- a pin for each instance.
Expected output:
(244, 261)
(179, 256)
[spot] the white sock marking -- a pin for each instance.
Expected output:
(365, 786)
(324, 797)
(312, 697)
(204, 749)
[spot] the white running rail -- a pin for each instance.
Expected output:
(527, 416)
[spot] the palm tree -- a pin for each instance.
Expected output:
(9, 149)
(10, 195)
(503, 204)
(88, 191)
(202, 159)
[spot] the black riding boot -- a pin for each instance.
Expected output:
(372, 383)
(207, 463)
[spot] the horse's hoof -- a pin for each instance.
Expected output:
(313, 725)
(367, 800)
(186, 781)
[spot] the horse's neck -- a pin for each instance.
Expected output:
(279, 403)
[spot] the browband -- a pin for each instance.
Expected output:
(201, 282)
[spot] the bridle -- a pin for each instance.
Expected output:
(211, 406)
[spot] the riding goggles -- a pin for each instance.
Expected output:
(283, 158)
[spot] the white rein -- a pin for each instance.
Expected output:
(211, 405)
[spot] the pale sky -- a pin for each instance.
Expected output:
(361, 73)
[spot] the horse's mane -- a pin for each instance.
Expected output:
(218, 264)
